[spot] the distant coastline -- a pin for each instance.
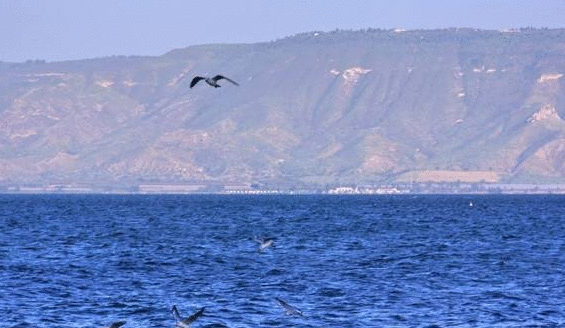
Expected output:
(388, 189)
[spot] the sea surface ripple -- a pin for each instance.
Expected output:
(343, 261)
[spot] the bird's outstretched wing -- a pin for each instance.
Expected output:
(185, 322)
(195, 80)
(219, 77)
(117, 324)
(193, 317)
(176, 313)
(290, 310)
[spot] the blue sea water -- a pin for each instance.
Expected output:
(343, 261)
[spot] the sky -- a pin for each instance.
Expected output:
(57, 30)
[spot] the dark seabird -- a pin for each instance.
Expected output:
(184, 323)
(290, 310)
(117, 324)
(264, 243)
(212, 81)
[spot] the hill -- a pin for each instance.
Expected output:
(313, 109)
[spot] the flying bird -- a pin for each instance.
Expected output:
(212, 81)
(117, 324)
(289, 309)
(264, 243)
(184, 323)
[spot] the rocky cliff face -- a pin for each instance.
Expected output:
(364, 106)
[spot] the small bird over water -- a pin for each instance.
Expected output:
(212, 81)
(289, 309)
(184, 323)
(117, 324)
(264, 243)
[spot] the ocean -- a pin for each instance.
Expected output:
(338, 261)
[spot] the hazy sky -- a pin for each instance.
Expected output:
(73, 29)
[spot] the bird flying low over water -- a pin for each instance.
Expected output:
(212, 81)
(289, 309)
(117, 324)
(184, 323)
(264, 242)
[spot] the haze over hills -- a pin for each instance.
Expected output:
(313, 109)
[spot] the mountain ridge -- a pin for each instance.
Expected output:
(370, 106)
